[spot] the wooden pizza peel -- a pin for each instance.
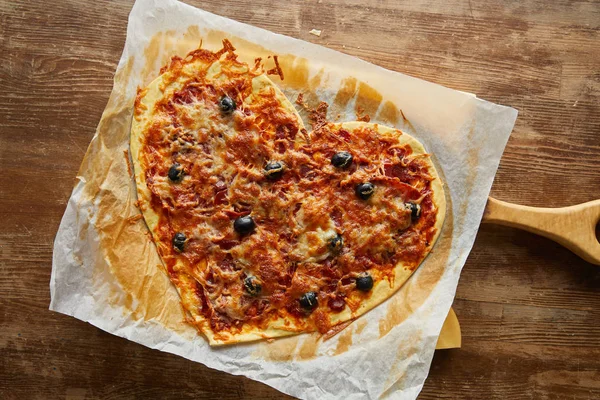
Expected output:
(574, 227)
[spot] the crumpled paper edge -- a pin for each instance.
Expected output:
(117, 327)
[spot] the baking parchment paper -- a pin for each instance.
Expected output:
(107, 272)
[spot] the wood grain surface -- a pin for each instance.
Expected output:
(529, 309)
(574, 227)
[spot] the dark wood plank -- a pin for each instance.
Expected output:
(528, 308)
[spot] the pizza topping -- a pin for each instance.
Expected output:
(274, 170)
(335, 244)
(364, 190)
(252, 286)
(244, 225)
(364, 282)
(176, 172)
(316, 236)
(415, 211)
(337, 303)
(309, 301)
(341, 159)
(179, 241)
(227, 104)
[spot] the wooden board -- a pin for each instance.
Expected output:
(450, 336)
(574, 226)
(528, 307)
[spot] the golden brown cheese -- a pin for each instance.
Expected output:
(223, 156)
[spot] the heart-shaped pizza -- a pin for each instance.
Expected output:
(267, 230)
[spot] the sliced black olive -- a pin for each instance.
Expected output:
(364, 190)
(341, 159)
(227, 104)
(179, 241)
(336, 243)
(176, 172)
(309, 301)
(364, 283)
(244, 225)
(274, 170)
(252, 286)
(415, 211)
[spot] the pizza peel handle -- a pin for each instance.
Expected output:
(573, 227)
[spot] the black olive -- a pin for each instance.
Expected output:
(227, 104)
(274, 170)
(341, 159)
(364, 190)
(309, 301)
(179, 241)
(252, 286)
(415, 211)
(336, 243)
(244, 225)
(364, 283)
(176, 172)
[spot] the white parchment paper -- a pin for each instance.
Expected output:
(387, 352)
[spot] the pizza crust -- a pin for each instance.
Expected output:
(145, 103)
(382, 290)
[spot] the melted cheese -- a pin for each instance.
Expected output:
(224, 155)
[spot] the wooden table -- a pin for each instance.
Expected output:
(528, 308)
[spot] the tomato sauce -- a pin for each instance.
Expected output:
(224, 180)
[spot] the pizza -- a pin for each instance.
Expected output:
(265, 229)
